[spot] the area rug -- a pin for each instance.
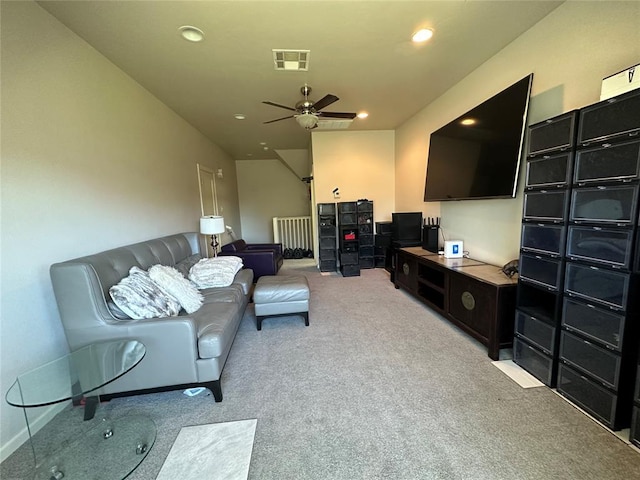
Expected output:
(211, 452)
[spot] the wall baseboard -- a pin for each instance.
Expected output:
(6, 449)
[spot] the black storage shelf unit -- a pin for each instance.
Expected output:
(366, 242)
(348, 239)
(578, 292)
(548, 182)
(327, 237)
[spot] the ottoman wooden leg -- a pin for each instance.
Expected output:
(306, 318)
(259, 321)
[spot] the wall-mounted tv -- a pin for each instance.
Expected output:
(478, 154)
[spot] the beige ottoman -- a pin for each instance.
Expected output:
(281, 295)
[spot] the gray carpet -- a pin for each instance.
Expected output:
(379, 387)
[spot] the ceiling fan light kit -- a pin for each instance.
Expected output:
(307, 112)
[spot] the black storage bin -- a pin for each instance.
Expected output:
(349, 258)
(610, 119)
(347, 207)
(636, 395)
(350, 270)
(328, 242)
(326, 209)
(533, 361)
(541, 270)
(382, 240)
(614, 162)
(366, 262)
(384, 228)
(348, 219)
(543, 238)
(327, 254)
(366, 251)
(605, 326)
(539, 333)
(327, 265)
(366, 228)
(603, 245)
(328, 231)
(595, 361)
(365, 206)
(634, 432)
(545, 205)
(603, 204)
(549, 171)
(597, 284)
(595, 399)
(557, 133)
(366, 240)
(538, 303)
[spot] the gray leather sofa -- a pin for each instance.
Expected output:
(183, 351)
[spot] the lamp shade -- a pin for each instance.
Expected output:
(212, 225)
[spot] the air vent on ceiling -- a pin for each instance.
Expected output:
(334, 124)
(291, 60)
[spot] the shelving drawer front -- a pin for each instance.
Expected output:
(543, 238)
(545, 205)
(608, 163)
(553, 134)
(326, 209)
(533, 361)
(593, 322)
(328, 231)
(327, 265)
(327, 253)
(634, 433)
(536, 331)
(347, 207)
(328, 242)
(593, 398)
(541, 270)
(636, 395)
(365, 206)
(549, 171)
(591, 359)
(614, 117)
(602, 204)
(348, 219)
(597, 284)
(612, 247)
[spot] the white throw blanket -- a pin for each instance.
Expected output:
(215, 272)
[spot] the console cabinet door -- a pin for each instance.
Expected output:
(472, 303)
(407, 271)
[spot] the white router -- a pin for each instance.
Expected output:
(453, 249)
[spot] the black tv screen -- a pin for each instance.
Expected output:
(478, 154)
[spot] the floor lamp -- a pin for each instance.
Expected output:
(212, 225)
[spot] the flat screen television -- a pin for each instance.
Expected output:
(477, 155)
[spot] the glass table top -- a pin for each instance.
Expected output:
(76, 374)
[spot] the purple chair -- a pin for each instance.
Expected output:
(262, 258)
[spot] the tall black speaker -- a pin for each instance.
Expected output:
(430, 238)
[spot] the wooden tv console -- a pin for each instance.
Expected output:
(475, 296)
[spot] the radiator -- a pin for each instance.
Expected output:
(293, 232)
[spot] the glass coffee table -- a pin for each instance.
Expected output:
(103, 448)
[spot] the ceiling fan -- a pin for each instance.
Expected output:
(308, 112)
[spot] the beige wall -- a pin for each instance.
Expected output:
(360, 164)
(569, 52)
(267, 189)
(90, 160)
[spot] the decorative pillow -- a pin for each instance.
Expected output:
(172, 282)
(215, 272)
(185, 265)
(116, 311)
(139, 297)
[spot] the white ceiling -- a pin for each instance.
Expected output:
(360, 51)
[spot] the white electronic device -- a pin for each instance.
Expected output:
(453, 249)
(620, 82)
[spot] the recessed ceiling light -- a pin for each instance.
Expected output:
(422, 35)
(468, 121)
(191, 34)
(239, 116)
(265, 148)
(363, 115)
(263, 143)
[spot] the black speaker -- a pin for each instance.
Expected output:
(430, 238)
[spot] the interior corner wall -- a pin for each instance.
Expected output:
(90, 161)
(267, 189)
(360, 164)
(569, 52)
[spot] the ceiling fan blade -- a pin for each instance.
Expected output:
(325, 101)
(281, 106)
(338, 114)
(278, 119)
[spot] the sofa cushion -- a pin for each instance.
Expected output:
(232, 293)
(215, 272)
(172, 282)
(185, 265)
(139, 297)
(216, 325)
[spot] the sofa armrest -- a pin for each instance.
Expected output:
(276, 247)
